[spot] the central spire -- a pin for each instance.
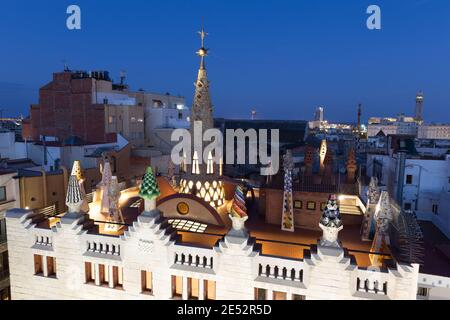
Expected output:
(201, 178)
(202, 106)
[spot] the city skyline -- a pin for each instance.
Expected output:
(325, 55)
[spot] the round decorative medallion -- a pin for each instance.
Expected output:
(183, 208)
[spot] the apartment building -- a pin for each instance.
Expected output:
(176, 246)
(392, 126)
(88, 105)
(420, 183)
(67, 262)
(434, 131)
(9, 198)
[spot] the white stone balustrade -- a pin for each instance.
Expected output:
(108, 246)
(374, 282)
(194, 257)
(279, 268)
(43, 240)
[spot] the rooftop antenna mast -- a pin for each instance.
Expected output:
(123, 75)
(202, 52)
(66, 66)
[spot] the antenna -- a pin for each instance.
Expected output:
(66, 66)
(123, 75)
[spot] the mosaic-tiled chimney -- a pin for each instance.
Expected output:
(331, 223)
(74, 196)
(149, 190)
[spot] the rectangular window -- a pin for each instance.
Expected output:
(2, 194)
(117, 275)
(279, 295)
(89, 272)
(409, 179)
(51, 266)
(147, 282)
(103, 274)
(193, 289)
(298, 204)
(423, 292)
(210, 290)
(177, 287)
(260, 294)
(4, 264)
(2, 230)
(435, 209)
(298, 297)
(38, 270)
(311, 205)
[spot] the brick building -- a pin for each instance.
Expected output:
(67, 107)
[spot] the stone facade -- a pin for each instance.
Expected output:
(234, 268)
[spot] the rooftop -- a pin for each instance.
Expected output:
(271, 239)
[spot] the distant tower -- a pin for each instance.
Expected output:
(359, 118)
(318, 115)
(419, 107)
(253, 114)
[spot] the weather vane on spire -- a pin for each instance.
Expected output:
(202, 52)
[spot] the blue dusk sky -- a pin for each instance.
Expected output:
(282, 58)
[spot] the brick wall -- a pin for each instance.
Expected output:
(65, 109)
